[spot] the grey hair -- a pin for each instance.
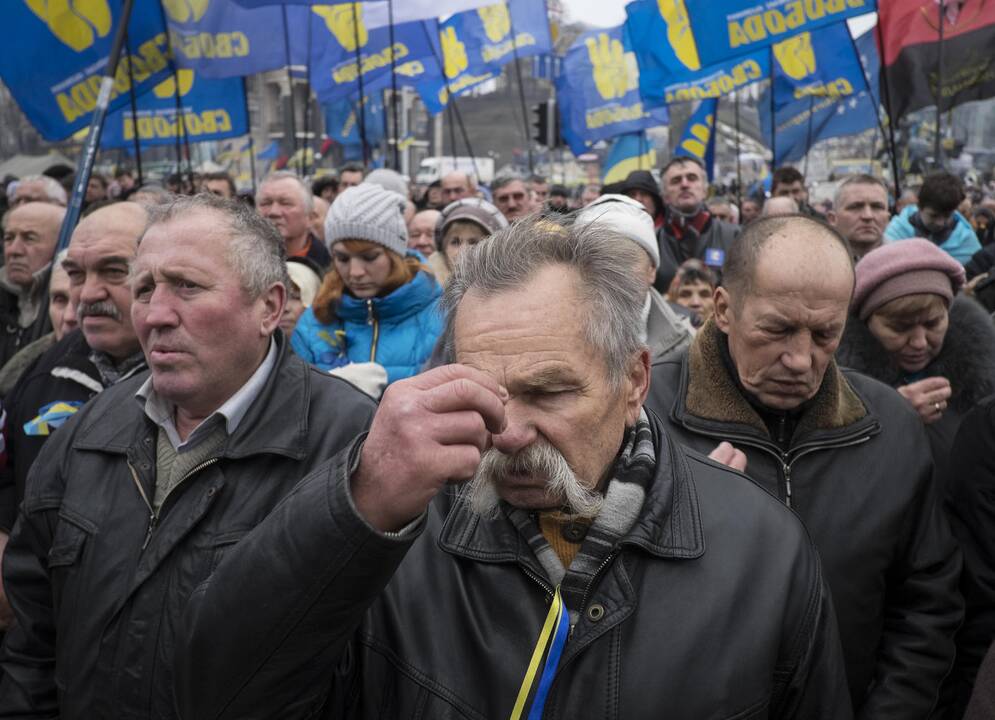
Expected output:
(287, 175)
(255, 250)
(602, 258)
(502, 180)
(861, 179)
(53, 190)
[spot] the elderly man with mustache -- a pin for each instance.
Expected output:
(591, 568)
(137, 498)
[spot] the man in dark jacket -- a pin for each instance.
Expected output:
(846, 452)
(655, 581)
(689, 230)
(30, 232)
(139, 495)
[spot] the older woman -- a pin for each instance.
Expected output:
(462, 223)
(377, 303)
(908, 329)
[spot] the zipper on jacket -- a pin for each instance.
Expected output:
(153, 515)
(371, 319)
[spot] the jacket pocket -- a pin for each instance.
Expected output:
(221, 544)
(65, 557)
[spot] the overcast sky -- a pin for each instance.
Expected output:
(609, 13)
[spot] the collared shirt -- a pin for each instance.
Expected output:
(162, 412)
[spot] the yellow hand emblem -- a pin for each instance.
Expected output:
(453, 51)
(496, 20)
(167, 88)
(679, 34)
(698, 143)
(796, 56)
(345, 22)
(611, 75)
(185, 10)
(76, 23)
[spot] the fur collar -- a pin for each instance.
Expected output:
(714, 395)
(967, 358)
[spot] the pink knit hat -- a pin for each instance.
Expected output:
(904, 267)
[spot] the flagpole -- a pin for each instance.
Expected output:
(181, 128)
(887, 108)
(85, 165)
(393, 86)
(773, 115)
(739, 169)
(359, 78)
(808, 132)
(937, 161)
(252, 144)
(307, 101)
(290, 84)
(877, 108)
(134, 114)
(521, 91)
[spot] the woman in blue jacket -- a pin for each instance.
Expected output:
(377, 304)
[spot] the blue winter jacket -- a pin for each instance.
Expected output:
(397, 331)
(961, 245)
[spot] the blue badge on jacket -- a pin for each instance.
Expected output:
(715, 257)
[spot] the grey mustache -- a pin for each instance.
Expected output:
(98, 309)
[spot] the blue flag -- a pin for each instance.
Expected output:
(342, 45)
(698, 139)
(670, 69)
(804, 121)
(217, 38)
(816, 64)
(212, 110)
(717, 30)
(53, 59)
(378, 11)
(629, 152)
(598, 90)
(342, 120)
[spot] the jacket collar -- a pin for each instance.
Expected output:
(665, 332)
(275, 423)
(710, 394)
(404, 302)
(669, 525)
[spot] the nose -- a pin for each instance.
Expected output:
(357, 268)
(917, 338)
(797, 357)
(14, 247)
(92, 290)
(159, 312)
(520, 431)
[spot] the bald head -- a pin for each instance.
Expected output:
(30, 233)
(782, 205)
(789, 247)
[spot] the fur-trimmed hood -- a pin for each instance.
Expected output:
(967, 358)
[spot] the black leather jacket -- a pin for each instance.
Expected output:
(711, 607)
(97, 594)
(858, 471)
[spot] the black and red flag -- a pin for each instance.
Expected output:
(909, 39)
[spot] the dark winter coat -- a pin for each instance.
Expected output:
(711, 607)
(711, 247)
(857, 469)
(967, 360)
(97, 589)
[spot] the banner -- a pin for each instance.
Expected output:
(211, 110)
(378, 11)
(698, 139)
(910, 32)
(820, 64)
(343, 46)
(671, 71)
(53, 57)
(217, 38)
(342, 120)
(629, 152)
(718, 30)
(598, 91)
(803, 122)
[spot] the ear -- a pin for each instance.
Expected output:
(831, 217)
(638, 386)
(273, 302)
(723, 309)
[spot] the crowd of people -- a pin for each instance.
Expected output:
(355, 448)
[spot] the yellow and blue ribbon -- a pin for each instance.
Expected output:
(51, 416)
(552, 638)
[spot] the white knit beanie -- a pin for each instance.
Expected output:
(368, 212)
(626, 216)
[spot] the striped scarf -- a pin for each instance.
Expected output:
(625, 492)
